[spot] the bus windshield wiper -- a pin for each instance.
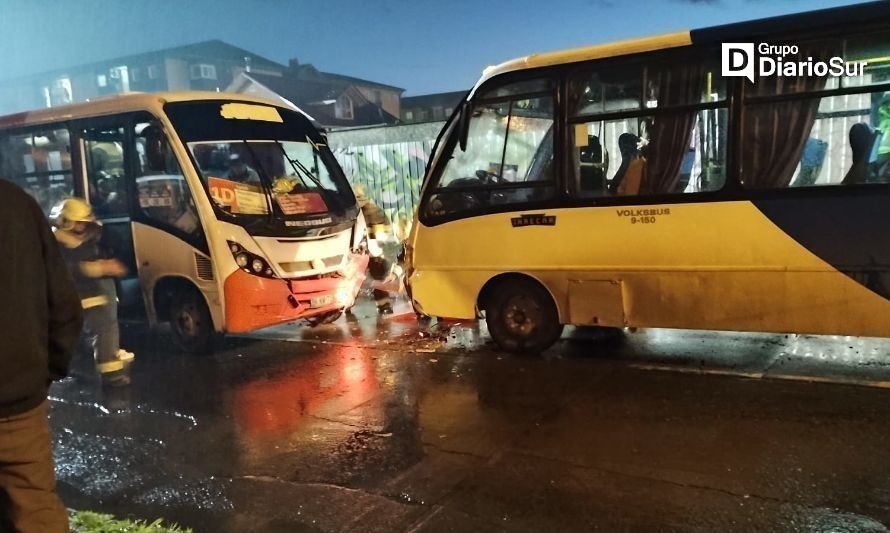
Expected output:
(265, 181)
(299, 168)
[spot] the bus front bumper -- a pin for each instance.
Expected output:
(253, 302)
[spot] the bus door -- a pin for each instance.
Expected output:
(104, 150)
(170, 242)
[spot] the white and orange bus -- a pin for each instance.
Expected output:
(230, 212)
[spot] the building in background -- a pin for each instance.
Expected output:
(430, 107)
(208, 65)
(333, 100)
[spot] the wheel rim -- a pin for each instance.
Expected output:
(522, 316)
(187, 323)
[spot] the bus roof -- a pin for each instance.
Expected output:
(132, 101)
(863, 14)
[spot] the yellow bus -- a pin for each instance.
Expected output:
(727, 178)
(230, 212)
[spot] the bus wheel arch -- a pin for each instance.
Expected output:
(521, 313)
(179, 302)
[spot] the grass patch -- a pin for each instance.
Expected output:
(90, 522)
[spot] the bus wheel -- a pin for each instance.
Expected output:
(191, 323)
(522, 317)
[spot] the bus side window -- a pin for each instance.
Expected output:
(40, 163)
(106, 177)
(163, 194)
(812, 139)
(835, 140)
(678, 144)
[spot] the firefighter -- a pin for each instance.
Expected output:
(380, 234)
(79, 236)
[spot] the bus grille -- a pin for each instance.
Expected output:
(204, 267)
(302, 266)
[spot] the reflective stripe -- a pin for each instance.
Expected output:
(94, 301)
(110, 366)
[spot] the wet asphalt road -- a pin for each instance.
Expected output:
(370, 425)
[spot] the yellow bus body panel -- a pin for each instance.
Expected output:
(720, 265)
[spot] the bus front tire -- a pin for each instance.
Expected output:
(324, 318)
(191, 323)
(522, 317)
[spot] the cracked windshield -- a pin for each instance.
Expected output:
(280, 266)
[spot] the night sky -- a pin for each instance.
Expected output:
(420, 45)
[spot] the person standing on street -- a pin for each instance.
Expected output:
(41, 317)
(80, 237)
(380, 233)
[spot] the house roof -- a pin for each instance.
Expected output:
(449, 99)
(316, 97)
(350, 80)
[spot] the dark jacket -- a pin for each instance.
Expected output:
(40, 312)
(88, 251)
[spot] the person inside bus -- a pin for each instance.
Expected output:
(630, 173)
(79, 235)
(240, 171)
(862, 140)
(811, 161)
(593, 165)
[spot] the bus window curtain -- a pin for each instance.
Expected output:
(671, 133)
(774, 134)
(774, 137)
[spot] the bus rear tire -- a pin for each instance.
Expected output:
(522, 317)
(191, 323)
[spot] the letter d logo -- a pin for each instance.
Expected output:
(738, 60)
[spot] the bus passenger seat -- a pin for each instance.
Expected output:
(627, 178)
(592, 172)
(862, 139)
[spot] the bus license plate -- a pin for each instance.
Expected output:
(321, 301)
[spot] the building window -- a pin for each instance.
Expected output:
(120, 77)
(136, 74)
(102, 80)
(409, 115)
(153, 71)
(203, 72)
(343, 108)
(61, 92)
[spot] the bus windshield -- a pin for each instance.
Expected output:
(262, 161)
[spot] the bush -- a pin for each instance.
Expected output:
(90, 522)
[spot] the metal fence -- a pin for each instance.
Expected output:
(389, 161)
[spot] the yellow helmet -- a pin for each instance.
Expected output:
(70, 211)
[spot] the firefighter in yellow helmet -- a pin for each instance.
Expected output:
(380, 233)
(78, 234)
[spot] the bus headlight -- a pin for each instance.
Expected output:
(249, 262)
